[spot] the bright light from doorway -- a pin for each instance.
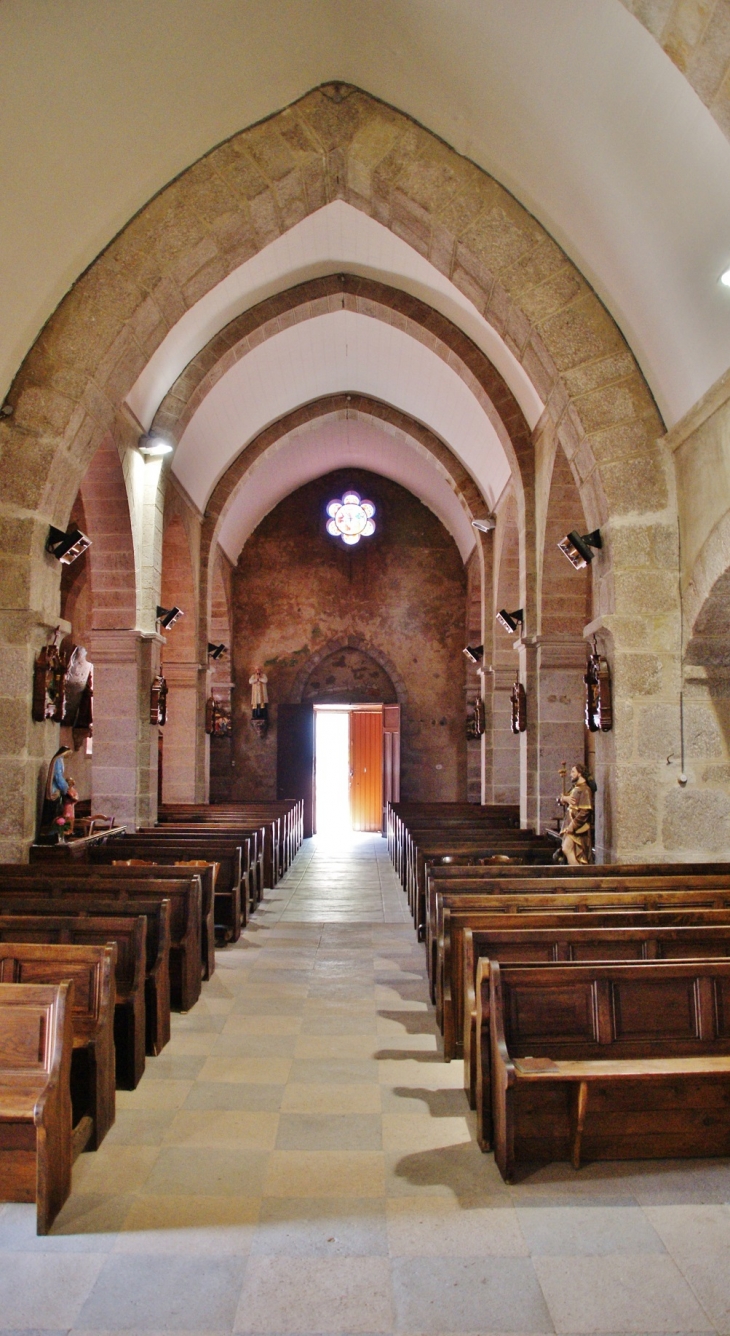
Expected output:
(332, 751)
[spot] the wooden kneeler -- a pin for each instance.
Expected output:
(36, 1044)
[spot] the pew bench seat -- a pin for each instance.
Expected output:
(610, 1062)
(36, 1045)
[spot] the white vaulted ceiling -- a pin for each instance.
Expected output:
(330, 354)
(569, 103)
(336, 238)
(340, 443)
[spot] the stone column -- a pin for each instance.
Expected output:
(181, 747)
(561, 666)
(124, 768)
(505, 747)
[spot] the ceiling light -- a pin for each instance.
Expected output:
(154, 446)
(577, 547)
(509, 621)
(485, 525)
(725, 278)
(474, 653)
(66, 547)
(168, 616)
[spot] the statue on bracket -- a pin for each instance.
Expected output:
(60, 796)
(259, 702)
(577, 828)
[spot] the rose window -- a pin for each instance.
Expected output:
(351, 518)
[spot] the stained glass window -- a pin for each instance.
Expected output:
(351, 518)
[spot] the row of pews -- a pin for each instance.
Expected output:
(99, 941)
(591, 1005)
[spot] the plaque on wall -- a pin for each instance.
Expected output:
(49, 682)
(599, 704)
(475, 721)
(158, 701)
(518, 701)
(217, 718)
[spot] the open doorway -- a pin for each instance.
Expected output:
(332, 770)
(348, 768)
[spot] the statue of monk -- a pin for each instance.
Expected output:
(259, 692)
(577, 827)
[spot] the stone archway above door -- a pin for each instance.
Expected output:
(348, 671)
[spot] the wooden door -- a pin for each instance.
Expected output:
(366, 769)
(295, 757)
(391, 758)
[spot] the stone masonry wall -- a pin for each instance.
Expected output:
(401, 593)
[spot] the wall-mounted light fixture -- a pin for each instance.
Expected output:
(154, 446)
(725, 278)
(509, 621)
(577, 547)
(168, 616)
(486, 524)
(474, 653)
(215, 651)
(66, 547)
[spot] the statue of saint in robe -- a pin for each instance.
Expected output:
(577, 828)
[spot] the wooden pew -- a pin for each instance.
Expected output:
(639, 937)
(36, 1047)
(183, 890)
(503, 880)
(93, 904)
(129, 935)
(157, 871)
(253, 841)
(522, 848)
(456, 914)
(283, 822)
(163, 848)
(610, 1062)
(91, 970)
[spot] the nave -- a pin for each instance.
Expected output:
(300, 1160)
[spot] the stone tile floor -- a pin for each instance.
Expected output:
(300, 1160)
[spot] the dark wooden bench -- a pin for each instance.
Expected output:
(92, 904)
(171, 849)
(638, 894)
(119, 869)
(183, 890)
(129, 935)
(541, 892)
(642, 937)
(91, 970)
(610, 1062)
(36, 1047)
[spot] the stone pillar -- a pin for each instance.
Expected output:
(124, 768)
(182, 734)
(505, 747)
(561, 666)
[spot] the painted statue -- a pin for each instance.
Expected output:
(60, 795)
(577, 828)
(259, 694)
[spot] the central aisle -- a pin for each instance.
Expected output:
(301, 1160)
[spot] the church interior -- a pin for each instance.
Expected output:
(365, 667)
